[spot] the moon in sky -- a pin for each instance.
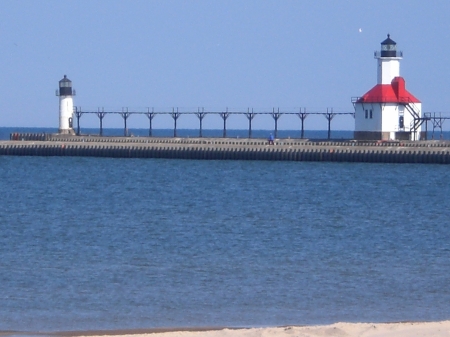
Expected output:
(360, 30)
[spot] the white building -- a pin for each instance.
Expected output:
(65, 106)
(388, 111)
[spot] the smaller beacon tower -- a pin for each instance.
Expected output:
(388, 111)
(65, 94)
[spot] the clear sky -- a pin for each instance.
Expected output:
(214, 54)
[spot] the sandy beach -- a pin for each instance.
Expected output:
(410, 329)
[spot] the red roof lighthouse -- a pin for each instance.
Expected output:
(388, 111)
(389, 93)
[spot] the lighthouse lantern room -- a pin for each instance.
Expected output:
(65, 94)
(388, 111)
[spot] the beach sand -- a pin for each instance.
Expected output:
(410, 329)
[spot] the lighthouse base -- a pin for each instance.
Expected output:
(66, 132)
(371, 135)
(378, 135)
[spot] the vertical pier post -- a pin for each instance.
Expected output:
(329, 115)
(78, 114)
(427, 117)
(150, 116)
(250, 116)
(437, 123)
(224, 116)
(125, 114)
(200, 116)
(100, 115)
(302, 116)
(434, 125)
(175, 116)
(276, 116)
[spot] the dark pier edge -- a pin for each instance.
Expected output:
(431, 152)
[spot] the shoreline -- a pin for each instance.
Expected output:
(406, 328)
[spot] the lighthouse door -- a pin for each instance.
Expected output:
(401, 119)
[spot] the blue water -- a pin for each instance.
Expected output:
(311, 134)
(233, 133)
(98, 243)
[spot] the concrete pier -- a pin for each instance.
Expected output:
(433, 152)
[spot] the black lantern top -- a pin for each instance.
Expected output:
(65, 87)
(388, 47)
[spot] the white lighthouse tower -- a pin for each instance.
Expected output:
(65, 94)
(388, 111)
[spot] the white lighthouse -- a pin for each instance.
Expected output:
(388, 111)
(65, 106)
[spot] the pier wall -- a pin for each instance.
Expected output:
(232, 149)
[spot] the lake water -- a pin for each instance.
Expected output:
(99, 243)
(233, 133)
(241, 133)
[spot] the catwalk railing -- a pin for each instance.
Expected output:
(250, 114)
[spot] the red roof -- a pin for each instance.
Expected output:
(389, 93)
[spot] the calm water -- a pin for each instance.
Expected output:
(311, 134)
(97, 243)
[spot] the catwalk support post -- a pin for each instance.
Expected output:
(224, 116)
(329, 115)
(101, 115)
(78, 114)
(276, 116)
(200, 116)
(125, 114)
(302, 116)
(175, 116)
(250, 116)
(150, 116)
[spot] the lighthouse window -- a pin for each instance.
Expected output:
(370, 111)
(367, 114)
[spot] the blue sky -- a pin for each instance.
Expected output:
(214, 54)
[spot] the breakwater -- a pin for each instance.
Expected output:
(227, 149)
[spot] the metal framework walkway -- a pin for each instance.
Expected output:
(125, 113)
(436, 118)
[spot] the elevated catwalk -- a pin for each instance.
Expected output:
(437, 152)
